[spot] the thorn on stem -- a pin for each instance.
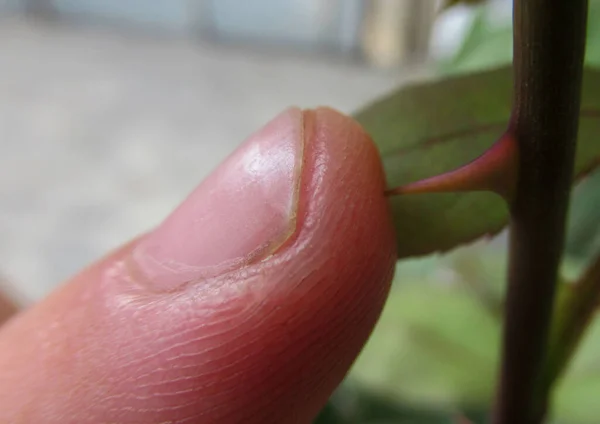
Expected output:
(495, 170)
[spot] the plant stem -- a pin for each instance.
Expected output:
(573, 315)
(549, 44)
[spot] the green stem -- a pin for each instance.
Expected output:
(549, 44)
(573, 315)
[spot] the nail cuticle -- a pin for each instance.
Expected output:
(243, 213)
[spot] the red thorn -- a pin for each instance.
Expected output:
(495, 170)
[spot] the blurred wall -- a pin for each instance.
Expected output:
(172, 15)
(331, 23)
(11, 5)
(384, 33)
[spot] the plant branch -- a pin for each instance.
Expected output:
(574, 313)
(549, 41)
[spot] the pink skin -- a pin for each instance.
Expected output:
(247, 305)
(240, 214)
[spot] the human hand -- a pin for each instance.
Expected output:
(248, 304)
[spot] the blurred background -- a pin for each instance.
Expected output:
(111, 111)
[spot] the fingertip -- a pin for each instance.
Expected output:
(263, 339)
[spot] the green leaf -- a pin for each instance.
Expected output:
(583, 235)
(484, 46)
(433, 127)
(575, 399)
(445, 359)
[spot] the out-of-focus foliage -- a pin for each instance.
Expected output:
(584, 221)
(418, 367)
(488, 43)
(434, 351)
(352, 404)
(437, 342)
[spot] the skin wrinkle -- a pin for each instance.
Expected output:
(234, 314)
(192, 378)
(212, 371)
(192, 355)
(203, 352)
(273, 394)
(179, 345)
(151, 412)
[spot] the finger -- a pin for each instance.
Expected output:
(10, 300)
(7, 308)
(248, 304)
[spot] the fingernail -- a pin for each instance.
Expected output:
(240, 214)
